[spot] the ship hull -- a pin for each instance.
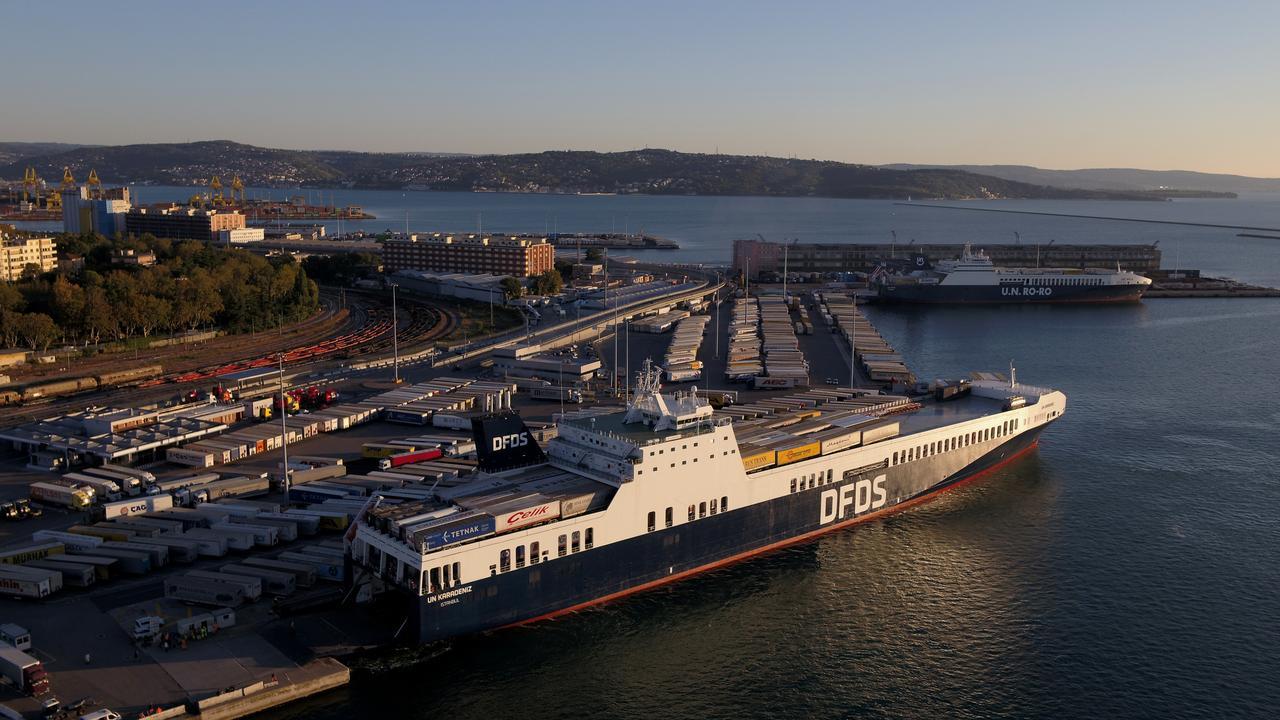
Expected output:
(598, 575)
(1010, 294)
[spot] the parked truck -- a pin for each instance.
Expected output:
(130, 485)
(25, 672)
(104, 490)
(69, 497)
(133, 506)
(407, 458)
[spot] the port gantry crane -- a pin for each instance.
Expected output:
(30, 185)
(95, 185)
(215, 185)
(237, 189)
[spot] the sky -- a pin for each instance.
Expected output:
(1159, 85)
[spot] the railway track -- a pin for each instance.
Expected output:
(365, 332)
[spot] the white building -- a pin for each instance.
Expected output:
(240, 236)
(17, 253)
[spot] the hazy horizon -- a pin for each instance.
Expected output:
(1091, 85)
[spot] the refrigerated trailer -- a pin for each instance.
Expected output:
(263, 535)
(250, 586)
(73, 574)
(131, 562)
(25, 672)
(303, 574)
(203, 592)
(181, 550)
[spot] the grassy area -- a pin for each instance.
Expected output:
(475, 320)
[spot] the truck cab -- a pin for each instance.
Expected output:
(9, 511)
(147, 627)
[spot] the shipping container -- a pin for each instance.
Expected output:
(29, 584)
(167, 528)
(208, 543)
(286, 530)
(396, 460)
(453, 530)
(326, 569)
(795, 453)
(189, 457)
(263, 535)
(307, 525)
(239, 540)
(114, 534)
(158, 554)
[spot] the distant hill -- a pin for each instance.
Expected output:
(14, 151)
(1122, 179)
(658, 172)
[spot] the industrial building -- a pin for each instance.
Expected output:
(762, 256)
(17, 253)
(182, 223)
(480, 288)
(102, 212)
(490, 254)
(240, 236)
(529, 361)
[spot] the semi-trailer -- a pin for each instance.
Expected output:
(286, 530)
(69, 497)
(274, 582)
(326, 568)
(307, 525)
(243, 486)
(180, 550)
(263, 535)
(328, 520)
(138, 530)
(190, 519)
(105, 490)
(54, 577)
(208, 543)
(203, 592)
(129, 485)
(239, 540)
(103, 567)
(116, 534)
(15, 583)
(159, 554)
(73, 574)
(20, 555)
(143, 475)
(25, 672)
(131, 562)
(407, 458)
(303, 574)
(166, 527)
(133, 506)
(250, 586)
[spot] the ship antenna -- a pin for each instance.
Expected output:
(1013, 376)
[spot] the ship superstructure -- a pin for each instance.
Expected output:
(973, 278)
(626, 499)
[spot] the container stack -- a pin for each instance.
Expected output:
(681, 362)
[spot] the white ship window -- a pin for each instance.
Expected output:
(724, 503)
(670, 517)
(564, 545)
(534, 553)
(577, 541)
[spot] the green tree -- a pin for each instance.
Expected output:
(511, 288)
(548, 283)
(37, 330)
(595, 255)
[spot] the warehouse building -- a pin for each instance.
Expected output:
(488, 254)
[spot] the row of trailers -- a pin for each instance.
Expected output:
(267, 436)
(681, 362)
(146, 542)
(877, 357)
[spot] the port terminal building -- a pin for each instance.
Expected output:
(763, 256)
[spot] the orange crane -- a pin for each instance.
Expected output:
(215, 184)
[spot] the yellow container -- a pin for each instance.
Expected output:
(800, 452)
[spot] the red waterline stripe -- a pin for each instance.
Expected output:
(769, 548)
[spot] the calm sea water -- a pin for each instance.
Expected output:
(1128, 568)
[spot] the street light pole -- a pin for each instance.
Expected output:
(395, 334)
(284, 429)
(853, 355)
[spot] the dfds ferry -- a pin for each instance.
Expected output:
(974, 279)
(628, 499)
